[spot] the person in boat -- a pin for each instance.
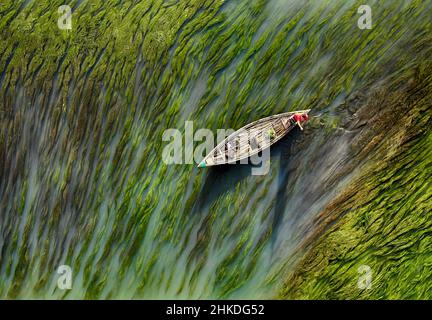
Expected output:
(298, 118)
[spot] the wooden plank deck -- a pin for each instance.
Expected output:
(251, 139)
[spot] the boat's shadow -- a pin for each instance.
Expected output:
(224, 178)
(286, 151)
(219, 180)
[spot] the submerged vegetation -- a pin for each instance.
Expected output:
(82, 182)
(382, 220)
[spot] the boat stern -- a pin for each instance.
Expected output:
(202, 164)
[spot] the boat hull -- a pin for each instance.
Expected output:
(251, 139)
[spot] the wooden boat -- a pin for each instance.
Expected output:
(251, 139)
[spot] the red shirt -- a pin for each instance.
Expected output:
(298, 117)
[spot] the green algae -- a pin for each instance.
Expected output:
(386, 225)
(102, 200)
